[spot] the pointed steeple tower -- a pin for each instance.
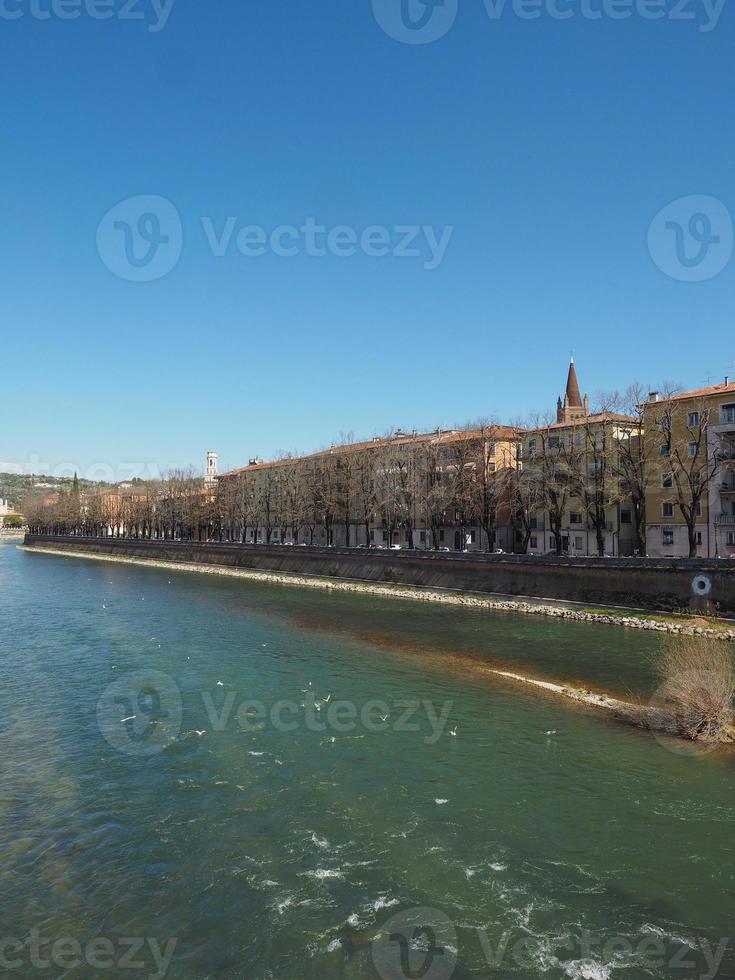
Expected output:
(573, 399)
(573, 407)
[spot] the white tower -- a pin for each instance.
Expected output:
(210, 474)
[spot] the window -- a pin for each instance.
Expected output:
(491, 467)
(534, 541)
(667, 536)
(667, 510)
(554, 442)
(727, 413)
(471, 537)
(731, 538)
(422, 537)
(491, 449)
(441, 537)
(667, 481)
(533, 523)
(698, 509)
(693, 420)
(699, 537)
(578, 543)
(664, 450)
(625, 517)
(575, 518)
(532, 445)
(372, 536)
(693, 448)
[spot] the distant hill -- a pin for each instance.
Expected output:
(15, 486)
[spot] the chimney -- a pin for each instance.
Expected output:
(653, 396)
(727, 381)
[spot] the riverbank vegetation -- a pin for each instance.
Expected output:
(695, 700)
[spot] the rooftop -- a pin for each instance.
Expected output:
(443, 436)
(721, 389)
(598, 417)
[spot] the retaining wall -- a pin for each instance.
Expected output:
(706, 585)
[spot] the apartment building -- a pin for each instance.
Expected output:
(690, 494)
(445, 490)
(572, 483)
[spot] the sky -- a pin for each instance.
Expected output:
(250, 227)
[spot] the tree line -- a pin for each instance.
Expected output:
(479, 479)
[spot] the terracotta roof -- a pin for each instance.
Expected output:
(499, 432)
(722, 389)
(598, 417)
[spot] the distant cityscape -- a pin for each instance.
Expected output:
(645, 473)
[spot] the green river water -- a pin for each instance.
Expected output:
(174, 803)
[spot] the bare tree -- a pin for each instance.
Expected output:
(685, 456)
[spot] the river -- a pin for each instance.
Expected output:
(210, 777)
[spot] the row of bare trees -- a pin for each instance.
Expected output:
(479, 478)
(458, 479)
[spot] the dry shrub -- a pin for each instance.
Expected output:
(697, 688)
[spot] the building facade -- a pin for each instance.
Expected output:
(690, 497)
(442, 490)
(573, 489)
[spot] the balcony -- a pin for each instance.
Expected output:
(728, 519)
(722, 425)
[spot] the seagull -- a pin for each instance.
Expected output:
(129, 718)
(220, 684)
(453, 731)
(552, 732)
(197, 732)
(385, 717)
(328, 699)
(317, 706)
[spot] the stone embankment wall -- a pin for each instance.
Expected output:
(650, 583)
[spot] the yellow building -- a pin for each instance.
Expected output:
(573, 489)
(690, 494)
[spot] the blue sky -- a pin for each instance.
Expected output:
(546, 147)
